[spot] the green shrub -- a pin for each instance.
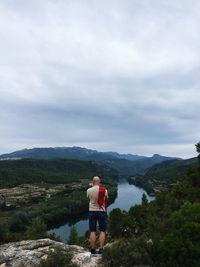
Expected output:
(58, 258)
(5, 235)
(163, 233)
(73, 237)
(19, 221)
(180, 246)
(36, 230)
(127, 253)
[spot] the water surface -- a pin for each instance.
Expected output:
(127, 196)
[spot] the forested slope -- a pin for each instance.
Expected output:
(163, 175)
(14, 172)
(54, 190)
(125, 164)
(163, 233)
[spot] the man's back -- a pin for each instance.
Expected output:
(97, 214)
(92, 194)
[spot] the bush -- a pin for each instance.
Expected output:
(36, 230)
(19, 221)
(5, 235)
(58, 258)
(127, 253)
(115, 223)
(73, 237)
(180, 246)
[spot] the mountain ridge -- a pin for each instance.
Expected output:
(67, 150)
(125, 164)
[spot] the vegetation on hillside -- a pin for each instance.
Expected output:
(125, 164)
(163, 175)
(163, 233)
(15, 172)
(138, 166)
(66, 205)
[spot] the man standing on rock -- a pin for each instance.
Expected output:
(98, 196)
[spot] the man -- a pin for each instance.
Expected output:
(97, 213)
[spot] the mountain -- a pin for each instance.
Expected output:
(163, 174)
(141, 165)
(67, 152)
(124, 156)
(125, 164)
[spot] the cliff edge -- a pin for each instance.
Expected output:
(29, 253)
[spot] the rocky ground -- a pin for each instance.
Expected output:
(29, 253)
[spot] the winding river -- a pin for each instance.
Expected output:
(127, 196)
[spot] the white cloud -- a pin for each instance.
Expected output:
(112, 75)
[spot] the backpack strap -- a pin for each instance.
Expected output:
(102, 201)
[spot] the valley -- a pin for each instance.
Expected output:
(42, 198)
(51, 189)
(54, 188)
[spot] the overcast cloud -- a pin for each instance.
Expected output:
(108, 75)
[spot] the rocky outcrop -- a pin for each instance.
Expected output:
(29, 253)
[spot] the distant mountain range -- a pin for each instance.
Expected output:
(125, 164)
(67, 152)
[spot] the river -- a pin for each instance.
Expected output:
(127, 196)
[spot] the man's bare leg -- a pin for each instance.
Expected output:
(102, 238)
(93, 240)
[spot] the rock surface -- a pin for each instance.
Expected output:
(29, 253)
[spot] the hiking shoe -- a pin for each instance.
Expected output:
(100, 251)
(93, 251)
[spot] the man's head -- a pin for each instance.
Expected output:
(96, 180)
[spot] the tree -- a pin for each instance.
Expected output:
(37, 229)
(198, 151)
(73, 237)
(116, 220)
(198, 147)
(19, 221)
(180, 246)
(144, 199)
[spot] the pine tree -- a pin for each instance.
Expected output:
(198, 147)
(144, 199)
(73, 237)
(198, 151)
(37, 229)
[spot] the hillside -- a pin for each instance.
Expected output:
(125, 164)
(53, 189)
(15, 172)
(139, 166)
(162, 233)
(163, 175)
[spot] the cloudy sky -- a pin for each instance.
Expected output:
(103, 74)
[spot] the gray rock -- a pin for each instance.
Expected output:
(29, 253)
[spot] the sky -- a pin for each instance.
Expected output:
(109, 75)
